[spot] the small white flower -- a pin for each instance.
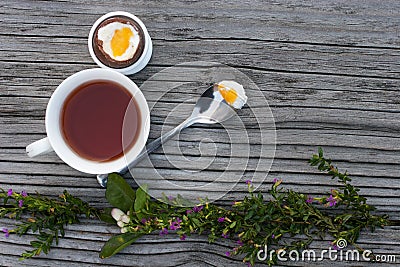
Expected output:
(121, 218)
(124, 230)
(117, 214)
(125, 218)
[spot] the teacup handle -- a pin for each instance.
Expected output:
(39, 147)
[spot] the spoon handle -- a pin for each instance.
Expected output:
(154, 145)
(102, 178)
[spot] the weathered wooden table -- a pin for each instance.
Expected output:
(329, 69)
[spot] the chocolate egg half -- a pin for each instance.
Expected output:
(118, 42)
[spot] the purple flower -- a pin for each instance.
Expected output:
(144, 221)
(20, 203)
(248, 264)
(10, 192)
(335, 247)
(224, 235)
(170, 198)
(228, 253)
(197, 208)
(221, 219)
(182, 237)
(6, 232)
(248, 182)
(164, 231)
(275, 180)
(189, 211)
(239, 242)
(332, 201)
(24, 194)
(309, 199)
(175, 224)
(273, 236)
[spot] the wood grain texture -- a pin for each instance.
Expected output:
(329, 69)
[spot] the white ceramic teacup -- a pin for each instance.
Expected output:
(55, 140)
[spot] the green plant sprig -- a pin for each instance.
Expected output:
(42, 215)
(252, 223)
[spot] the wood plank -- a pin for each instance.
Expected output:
(370, 62)
(291, 165)
(336, 22)
(291, 137)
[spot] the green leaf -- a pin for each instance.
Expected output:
(36, 244)
(196, 222)
(249, 215)
(346, 217)
(117, 243)
(141, 198)
(105, 216)
(119, 193)
(320, 152)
